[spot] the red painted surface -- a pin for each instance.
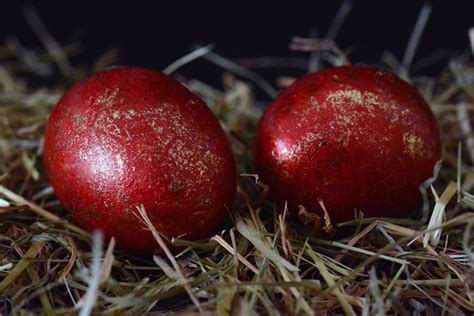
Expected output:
(354, 137)
(131, 136)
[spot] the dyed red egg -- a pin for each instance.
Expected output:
(357, 138)
(131, 136)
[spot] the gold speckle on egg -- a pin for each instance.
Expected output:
(414, 145)
(108, 98)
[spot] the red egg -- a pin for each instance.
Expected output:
(131, 136)
(356, 138)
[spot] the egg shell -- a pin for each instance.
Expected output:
(130, 136)
(354, 137)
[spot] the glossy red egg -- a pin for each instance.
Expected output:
(131, 136)
(357, 138)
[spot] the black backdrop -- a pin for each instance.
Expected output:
(155, 33)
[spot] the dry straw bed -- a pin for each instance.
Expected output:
(265, 260)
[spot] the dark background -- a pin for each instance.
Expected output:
(155, 33)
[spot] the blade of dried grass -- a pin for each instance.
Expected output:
(363, 251)
(433, 236)
(286, 244)
(332, 32)
(165, 267)
(335, 266)
(432, 282)
(375, 291)
(471, 39)
(357, 237)
(108, 261)
(6, 267)
(241, 71)
(4, 203)
(459, 171)
(313, 285)
(468, 200)
(315, 45)
(12, 196)
(195, 54)
(72, 260)
(231, 250)
(199, 245)
(426, 294)
(459, 299)
(466, 243)
(265, 188)
(234, 248)
(22, 264)
(29, 165)
(43, 297)
(68, 289)
(335, 290)
(301, 304)
(53, 48)
(225, 296)
(465, 124)
(6, 81)
(414, 40)
(394, 281)
(88, 301)
(106, 60)
(184, 281)
(248, 231)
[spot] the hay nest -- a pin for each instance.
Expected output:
(262, 261)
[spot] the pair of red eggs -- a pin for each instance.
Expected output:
(356, 138)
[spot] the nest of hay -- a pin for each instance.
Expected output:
(262, 261)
